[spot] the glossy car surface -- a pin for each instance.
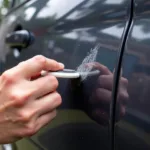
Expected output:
(110, 110)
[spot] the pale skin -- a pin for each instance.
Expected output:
(27, 102)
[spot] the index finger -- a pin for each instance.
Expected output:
(35, 65)
(103, 69)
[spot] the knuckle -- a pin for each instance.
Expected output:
(123, 95)
(58, 99)
(40, 59)
(54, 81)
(16, 98)
(53, 61)
(19, 99)
(105, 68)
(21, 63)
(102, 78)
(8, 77)
(124, 80)
(30, 129)
(55, 64)
(25, 116)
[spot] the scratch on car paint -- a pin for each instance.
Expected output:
(91, 57)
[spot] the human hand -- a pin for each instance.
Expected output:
(100, 99)
(26, 105)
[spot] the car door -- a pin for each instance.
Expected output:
(132, 132)
(87, 36)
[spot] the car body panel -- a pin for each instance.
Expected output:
(132, 132)
(75, 33)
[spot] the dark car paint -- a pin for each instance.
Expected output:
(77, 130)
(136, 123)
(69, 38)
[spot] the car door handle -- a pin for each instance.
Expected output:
(19, 39)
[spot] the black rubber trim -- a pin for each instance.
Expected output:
(117, 77)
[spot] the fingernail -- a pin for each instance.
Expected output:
(61, 65)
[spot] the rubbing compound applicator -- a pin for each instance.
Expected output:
(71, 74)
(82, 72)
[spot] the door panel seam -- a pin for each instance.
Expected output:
(117, 76)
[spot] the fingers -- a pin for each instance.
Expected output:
(45, 119)
(101, 96)
(33, 126)
(103, 93)
(35, 65)
(44, 85)
(123, 84)
(47, 103)
(106, 82)
(26, 105)
(103, 69)
(123, 97)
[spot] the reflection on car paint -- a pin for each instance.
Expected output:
(68, 35)
(135, 125)
(91, 57)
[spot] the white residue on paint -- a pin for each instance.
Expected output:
(91, 57)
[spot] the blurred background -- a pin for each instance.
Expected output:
(4, 6)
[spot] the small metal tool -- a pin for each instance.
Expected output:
(70, 74)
